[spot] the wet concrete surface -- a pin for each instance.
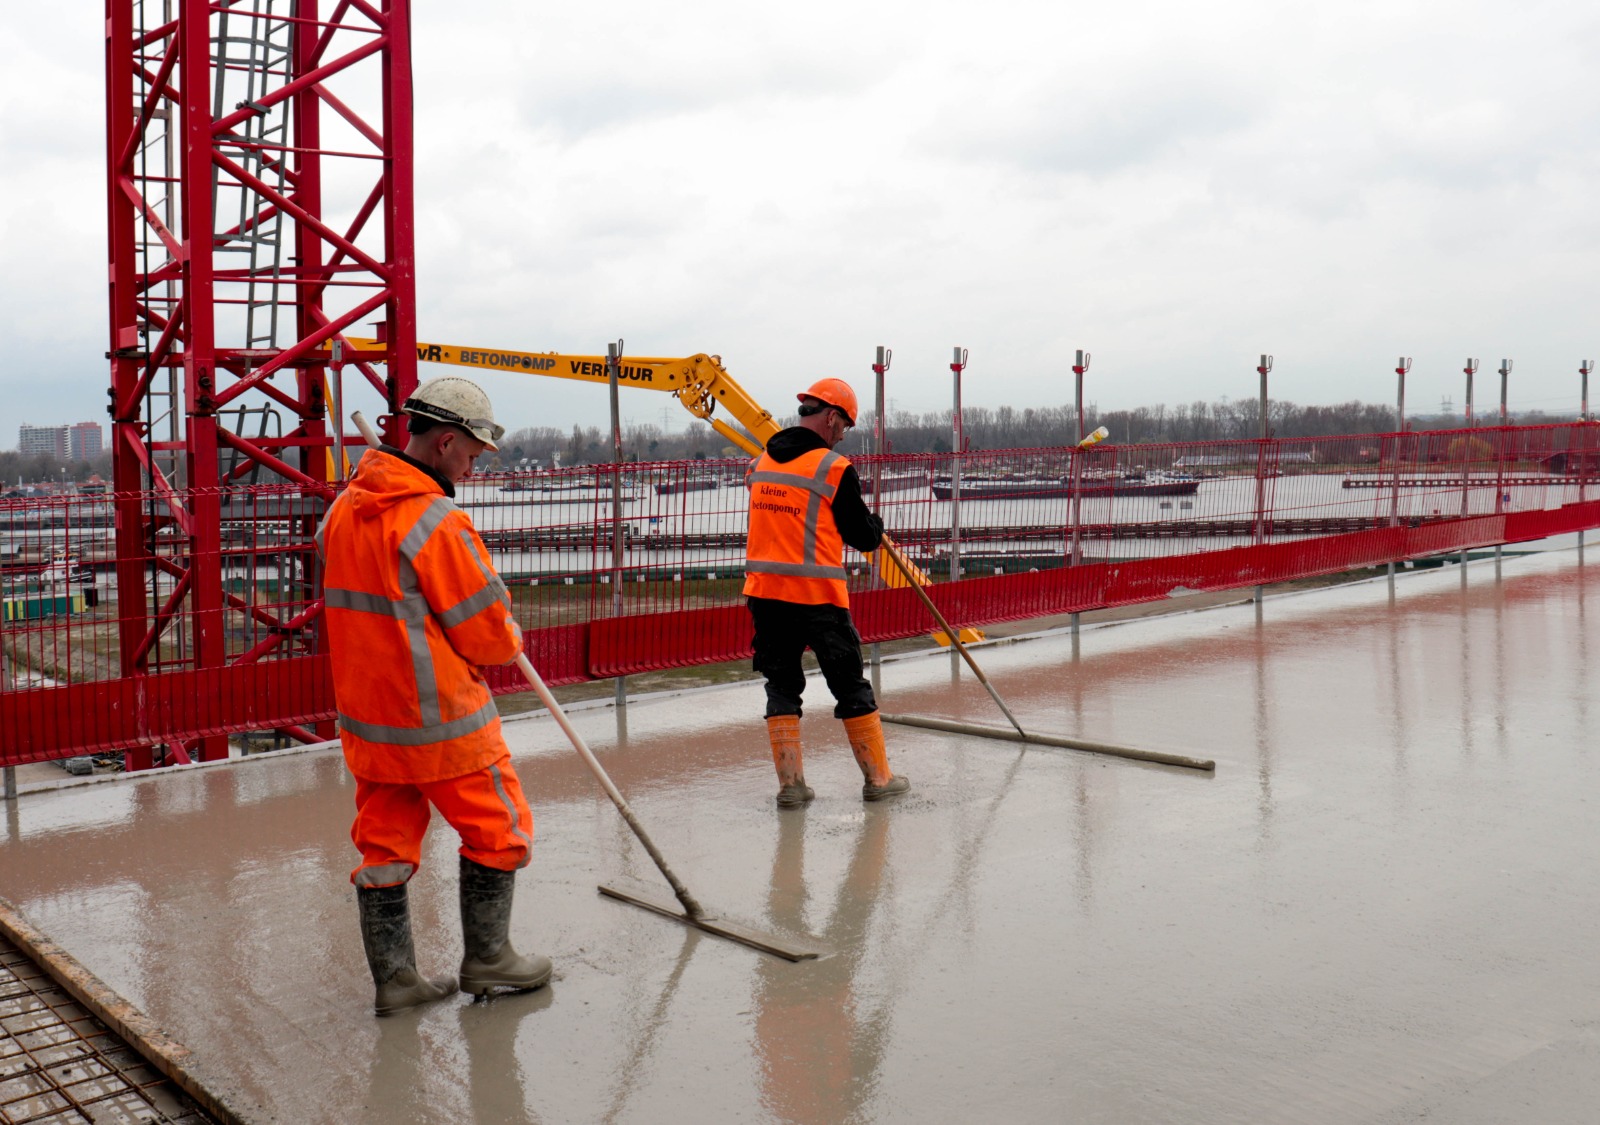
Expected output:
(1377, 910)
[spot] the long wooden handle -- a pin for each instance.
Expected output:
(955, 639)
(366, 430)
(535, 681)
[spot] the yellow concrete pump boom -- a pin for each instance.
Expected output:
(699, 382)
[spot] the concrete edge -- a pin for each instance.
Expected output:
(157, 1048)
(165, 771)
(601, 703)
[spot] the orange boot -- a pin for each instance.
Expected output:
(783, 731)
(866, 742)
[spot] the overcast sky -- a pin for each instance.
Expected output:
(1175, 187)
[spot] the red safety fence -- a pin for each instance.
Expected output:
(622, 572)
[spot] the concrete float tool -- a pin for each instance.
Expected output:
(1018, 735)
(1085, 744)
(692, 913)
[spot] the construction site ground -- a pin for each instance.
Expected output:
(1376, 910)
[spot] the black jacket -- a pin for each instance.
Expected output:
(857, 526)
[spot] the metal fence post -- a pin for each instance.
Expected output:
(5, 685)
(613, 354)
(958, 440)
(1584, 367)
(1401, 367)
(880, 427)
(1262, 368)
(1505, 375)
(1500, 459)
(1075, 555)
(1470, 370)
(880, 446)
(336, 388)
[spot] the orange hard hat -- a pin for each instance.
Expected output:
(834, 392)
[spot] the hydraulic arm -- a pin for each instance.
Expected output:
(699, 382)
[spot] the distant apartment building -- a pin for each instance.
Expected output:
(48, 441)
(83, 440)
(65, 443)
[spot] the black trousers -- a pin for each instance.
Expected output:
(784, 630)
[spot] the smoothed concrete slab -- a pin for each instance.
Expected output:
(1375, 910)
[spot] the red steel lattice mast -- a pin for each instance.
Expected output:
(259, 186)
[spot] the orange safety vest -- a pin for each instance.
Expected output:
(413, 609)
(794, 552)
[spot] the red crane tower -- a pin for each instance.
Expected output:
(259, 187)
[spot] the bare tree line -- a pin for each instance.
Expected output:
(1004, 427)
(45, 468)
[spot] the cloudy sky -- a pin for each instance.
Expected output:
(1175, 187)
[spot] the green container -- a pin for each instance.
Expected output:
(31, 609)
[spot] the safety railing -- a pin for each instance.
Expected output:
(617, 572)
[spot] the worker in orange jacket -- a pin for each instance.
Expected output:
(414, 608)
(805, 505)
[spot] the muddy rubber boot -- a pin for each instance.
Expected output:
(386, 935)
(490, 962)
(783, 731)
(872, 755)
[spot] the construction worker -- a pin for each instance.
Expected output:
(805, 505)
(414, 609)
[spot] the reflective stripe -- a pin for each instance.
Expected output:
(427, 523)
(421, 658)
(489, 574)
(468, 608)
(424, 735)
(797, 570)
(386, 875)
(428, 707)
(511, 811)
(405, 609)
(808, 546)
(322, 547)
(795, 480)
(825, 466)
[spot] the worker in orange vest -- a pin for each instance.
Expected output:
(414, 608)
(805, 505)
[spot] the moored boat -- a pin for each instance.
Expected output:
(890, 482)
(692, 484)
(1024, 488)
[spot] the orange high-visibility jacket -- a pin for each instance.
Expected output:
(414, 607)
(794, 552)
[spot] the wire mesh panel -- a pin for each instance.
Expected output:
(66, 690)
(59, 1064)
(614, 570)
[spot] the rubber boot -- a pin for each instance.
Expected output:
(386, 934)
(866, 742)
(490, 962)
(783, 731)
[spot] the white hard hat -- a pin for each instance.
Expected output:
(458, 402)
